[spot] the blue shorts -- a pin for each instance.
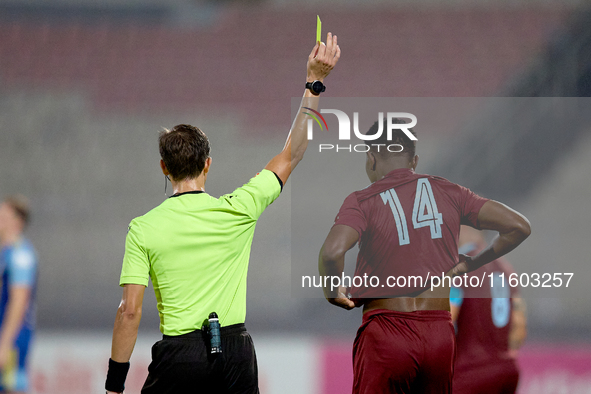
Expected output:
(15, 377)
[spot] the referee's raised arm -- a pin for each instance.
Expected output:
(195, 250)
(321, 61)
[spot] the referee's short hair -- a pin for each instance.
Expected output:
(184, 150)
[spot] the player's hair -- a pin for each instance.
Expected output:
(184, 149)
(20, 205)
(398, 137)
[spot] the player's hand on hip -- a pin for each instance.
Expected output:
(463, 266)
(323, 58)
(342, 300)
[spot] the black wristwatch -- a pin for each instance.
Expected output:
(316, 87)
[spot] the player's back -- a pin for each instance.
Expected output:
(484, 362)
(204, 251)
(409, 225)
(484, 321)
(196, 249)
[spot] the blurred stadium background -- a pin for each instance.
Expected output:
(85, 86)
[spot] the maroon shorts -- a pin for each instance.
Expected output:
(404, 352)
(496, 377)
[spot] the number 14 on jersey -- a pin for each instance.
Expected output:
(424, 211)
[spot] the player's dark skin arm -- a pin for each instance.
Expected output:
(331, 262)
(513, 229)
(321, 61)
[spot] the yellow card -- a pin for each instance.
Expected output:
(318, 29)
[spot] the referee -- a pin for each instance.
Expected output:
(195, 248)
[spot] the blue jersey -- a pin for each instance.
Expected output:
(18, 267)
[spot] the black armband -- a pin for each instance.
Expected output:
(279, 179)
(116, 376)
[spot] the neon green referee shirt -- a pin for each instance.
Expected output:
(196, 249)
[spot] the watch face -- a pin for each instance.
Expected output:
(317, 86)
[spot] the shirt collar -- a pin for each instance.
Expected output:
(189, 192)
(400, 173)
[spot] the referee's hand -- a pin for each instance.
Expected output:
(323, 58)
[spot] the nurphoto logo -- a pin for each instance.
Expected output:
(345, 130)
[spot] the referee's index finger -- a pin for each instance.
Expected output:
(329, 42)
(329, 46)
(314, 51)
(321, 51)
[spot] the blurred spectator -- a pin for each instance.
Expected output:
(18, 268)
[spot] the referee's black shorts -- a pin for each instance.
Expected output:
(182, 364)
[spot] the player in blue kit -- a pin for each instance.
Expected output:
(18, 270)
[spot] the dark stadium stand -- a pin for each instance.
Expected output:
(562, 69)
(251, 60)
(81, 100)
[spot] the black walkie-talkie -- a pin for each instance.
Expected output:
(215, 338)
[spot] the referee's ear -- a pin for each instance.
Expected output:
(207, 164)
(163, 167)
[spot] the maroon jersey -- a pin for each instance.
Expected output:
(484, 321)
(408, 226)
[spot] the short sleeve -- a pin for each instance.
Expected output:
(136, 265)
(255, 196)
(22, 267)
(351, 215)
(470, 204)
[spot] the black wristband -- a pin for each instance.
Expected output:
(116, 376)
